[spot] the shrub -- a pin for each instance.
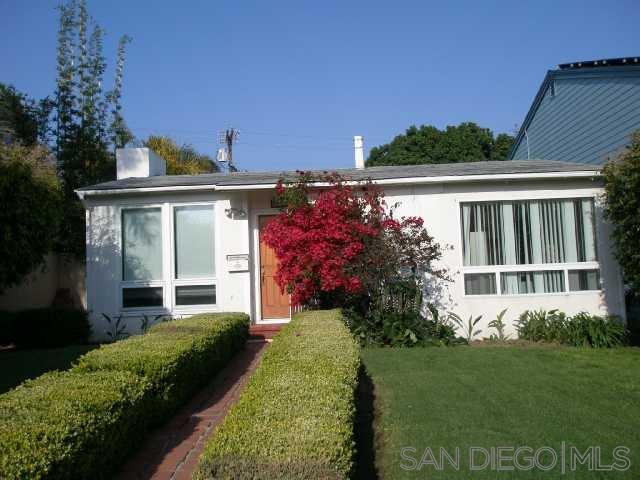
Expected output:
(541, 325)
(621, 205)
(388, 327)
(583, 329)
(50, 327)
(295, 418)
(177, 357)
(70, 425)
(31, 200)
(345, 242)
(6, 328)
(595, 331)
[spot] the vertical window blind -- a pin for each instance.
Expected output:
(528, 232)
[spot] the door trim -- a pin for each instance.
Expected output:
(257, 300)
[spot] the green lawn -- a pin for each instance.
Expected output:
(504, 397)
(17, 366)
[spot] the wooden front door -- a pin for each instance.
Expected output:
(274, 303)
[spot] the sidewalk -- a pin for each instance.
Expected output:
(172, 451)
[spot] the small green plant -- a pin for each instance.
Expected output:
(393, 328)
(594, 331)
(542, 326)
(500, 326)
(581, 330)
(147, 322)
(469, 330)
(117, 328)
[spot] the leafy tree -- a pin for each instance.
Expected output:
(622, 207)
(501, 146)
(22, 119)
(31, 199)
(181, 159)
(466, 142)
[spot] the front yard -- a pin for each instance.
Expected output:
(20, 365)
(490, 397)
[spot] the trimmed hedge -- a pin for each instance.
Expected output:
(45, 327)
(177, 357)
(70, 425)
(295, 419)
(82, 423)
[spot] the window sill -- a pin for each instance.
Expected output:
(551, 294)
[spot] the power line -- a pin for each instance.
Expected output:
(289, 145)
(207, 134)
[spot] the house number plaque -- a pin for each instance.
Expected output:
(238, 262)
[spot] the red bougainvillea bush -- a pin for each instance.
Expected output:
(336, 239)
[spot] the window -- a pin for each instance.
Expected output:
(528, 232)
(141, 244)
(194, 255)
(512, 241)
(190, 281)
(584, 280)
(480, 283)
(532, 282)
(142, 274)
(142, 297)
(195, 294)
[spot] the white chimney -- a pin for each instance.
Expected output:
(358, 147)
(139, 162)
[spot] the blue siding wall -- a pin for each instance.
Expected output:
(590, 118)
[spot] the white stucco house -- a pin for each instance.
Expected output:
(525, 235)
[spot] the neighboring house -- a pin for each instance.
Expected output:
(583, 112)
(525, 235)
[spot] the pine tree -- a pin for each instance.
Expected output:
(120, 134)
(86, 116)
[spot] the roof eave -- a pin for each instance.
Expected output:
(532, 109)
(83, 194)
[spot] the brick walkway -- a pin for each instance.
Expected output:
(172, 451)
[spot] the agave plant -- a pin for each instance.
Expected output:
(469, 330)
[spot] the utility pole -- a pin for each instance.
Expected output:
(227, 138)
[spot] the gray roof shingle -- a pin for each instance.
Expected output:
(373, 173)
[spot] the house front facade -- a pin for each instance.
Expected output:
(521, 235)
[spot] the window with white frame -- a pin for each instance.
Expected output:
(529, 246)
(194, 280)
(190, 282)
(142, 275)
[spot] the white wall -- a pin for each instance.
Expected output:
(439, 206)
(104, 262)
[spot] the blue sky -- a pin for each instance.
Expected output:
(300, 78)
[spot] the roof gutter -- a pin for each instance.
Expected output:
(387, 181)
